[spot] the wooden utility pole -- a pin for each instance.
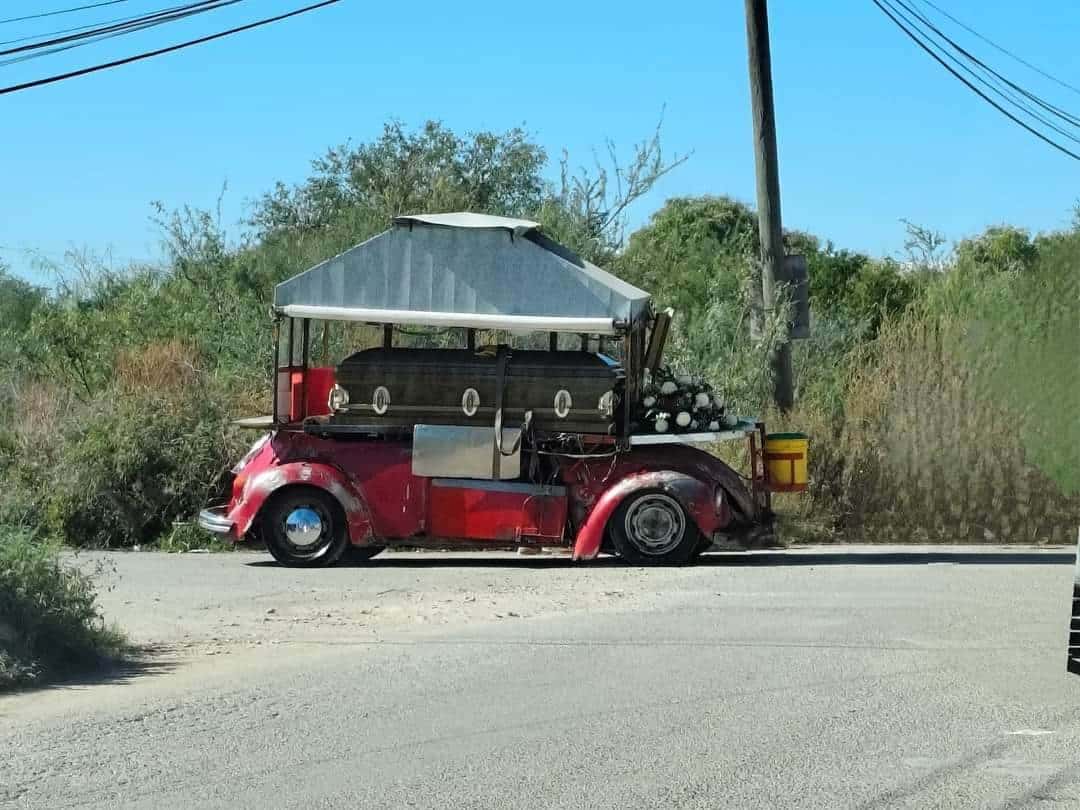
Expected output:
(770, 229)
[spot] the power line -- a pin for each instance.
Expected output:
(37, 49)
(996, 88)
(148, 54)
(61, 11)
(1001, 48)
(82, 27)
(104, 27)
(1060, 113)
(915, 38)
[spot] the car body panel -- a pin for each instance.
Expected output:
(385, 503)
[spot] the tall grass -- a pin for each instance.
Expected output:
(959, 422)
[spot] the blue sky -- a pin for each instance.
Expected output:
(870, 130)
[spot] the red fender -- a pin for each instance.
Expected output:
(258, 489)
(697, 497)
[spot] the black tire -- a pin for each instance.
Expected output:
(359, 554)
(325, 547)
(652, 527)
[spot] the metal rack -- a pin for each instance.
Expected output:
(743, 429)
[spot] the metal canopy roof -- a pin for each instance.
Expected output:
(464, 269)
(467, 219)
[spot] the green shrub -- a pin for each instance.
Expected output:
(50, 624)
(130, 466)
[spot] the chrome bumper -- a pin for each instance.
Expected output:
(214, 520)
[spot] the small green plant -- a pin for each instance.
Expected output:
(50, 622)
(187, 536)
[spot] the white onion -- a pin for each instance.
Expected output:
(714, 426)
(649, 401)
(661, 424)
(701, 400)
(683, 419)
(668, 388)
(730, 421)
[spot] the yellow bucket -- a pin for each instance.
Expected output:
(785, 459)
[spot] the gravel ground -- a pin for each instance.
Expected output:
(838, 677)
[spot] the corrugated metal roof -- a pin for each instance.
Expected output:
(469, 269)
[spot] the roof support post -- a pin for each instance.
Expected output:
(304, 358)
(275, 368)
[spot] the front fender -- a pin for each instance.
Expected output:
(696, 496)
(261, 486)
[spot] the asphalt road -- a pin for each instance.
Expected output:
(838, 678)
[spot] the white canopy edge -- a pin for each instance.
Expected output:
(532, 323)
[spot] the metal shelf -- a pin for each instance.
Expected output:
(743, 429)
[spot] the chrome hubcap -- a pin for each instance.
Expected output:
(655, 524)
(303, 527)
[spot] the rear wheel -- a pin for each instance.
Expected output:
(652, 528)
(304, 527)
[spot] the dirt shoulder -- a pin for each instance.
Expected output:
(210, 603)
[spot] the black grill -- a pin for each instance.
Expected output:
(1074, 627)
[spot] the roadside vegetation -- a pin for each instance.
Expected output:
(50, 625)
(940, 388)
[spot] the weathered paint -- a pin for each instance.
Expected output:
(696, 496)
(596, 487)
(261, 486)
(372, 481)
(384, 501)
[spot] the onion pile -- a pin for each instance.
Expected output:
(681, 403)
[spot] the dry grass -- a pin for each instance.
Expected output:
(168, 366)
(925, 453)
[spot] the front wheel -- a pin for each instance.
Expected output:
(305, 528)
(652, 528)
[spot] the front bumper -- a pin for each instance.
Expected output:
(214, 520)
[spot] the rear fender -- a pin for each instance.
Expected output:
(260, 487)
(696, 496)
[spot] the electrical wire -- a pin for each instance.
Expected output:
(918, 41)
(15, 88)
(36, 50)
(86, 27)
(61, 11)
(1001, 48)
(1069, 117)
(995, 87)
(106, 28)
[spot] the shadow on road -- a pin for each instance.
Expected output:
(141, 662)
(723, 559)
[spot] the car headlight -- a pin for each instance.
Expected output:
(338, 399)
